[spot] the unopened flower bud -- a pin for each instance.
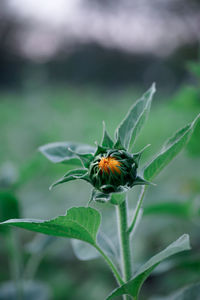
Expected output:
(113, 171)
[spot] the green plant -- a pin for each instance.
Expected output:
(112, 169)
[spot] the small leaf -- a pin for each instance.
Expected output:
(72, 175)
(191, 292)
(80, 223)
(173, 146)
(59, 152)
(133, 286)
(106, 140)
(135, 119)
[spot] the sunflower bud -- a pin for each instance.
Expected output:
(113, 171)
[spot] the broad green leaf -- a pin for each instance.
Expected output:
(72, 175)
(106, 140)
(60, 153)
(172, 147)
(176, 209)
(133, 286)
(191, 292)
(80, 223)
(135, 119)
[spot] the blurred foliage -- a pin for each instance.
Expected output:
(36, 117)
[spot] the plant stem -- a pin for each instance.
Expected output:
(124, 241)
(111, 265)
(139, 204)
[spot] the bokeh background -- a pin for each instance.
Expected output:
(65, 66)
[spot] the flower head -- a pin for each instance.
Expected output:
(109, 165)
(113, 170)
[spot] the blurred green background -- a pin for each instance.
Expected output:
(60, 78)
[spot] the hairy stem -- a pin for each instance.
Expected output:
(124, 241)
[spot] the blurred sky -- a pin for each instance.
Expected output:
(109, 43)
(136, 26)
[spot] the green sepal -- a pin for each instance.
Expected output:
(72, 175)
(106, 139)
(118, 145)
(137, 156)
(100, 150)
(85, 158)
(141, 181)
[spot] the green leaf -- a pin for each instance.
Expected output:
(133, 286)
(135, 119)
(191, 292)
(106, 140)
(72, 175)
(80, 223)
(9, 207)
(172, 147)
(60, 153)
